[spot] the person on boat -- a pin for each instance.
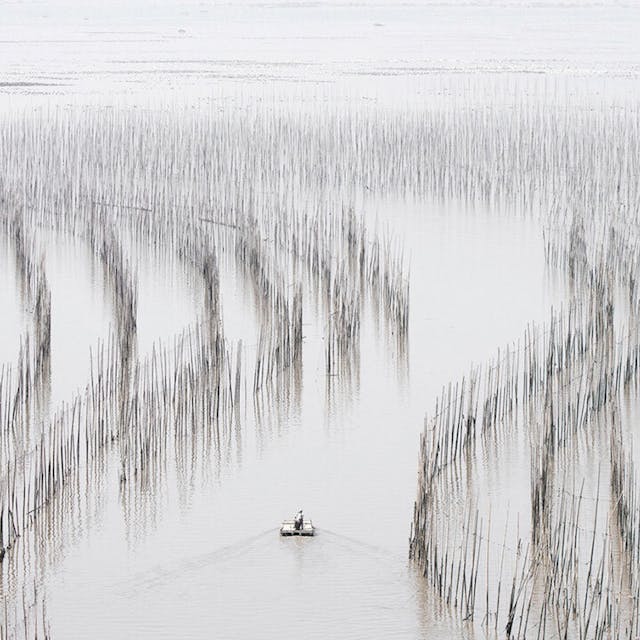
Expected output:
(299, 521)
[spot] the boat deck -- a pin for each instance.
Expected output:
(288, 528)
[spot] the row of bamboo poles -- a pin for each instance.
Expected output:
(189, 395)
(271, 192)
(571, 563)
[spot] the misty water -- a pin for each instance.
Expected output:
(195, 553)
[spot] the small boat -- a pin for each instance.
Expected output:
(288, 528)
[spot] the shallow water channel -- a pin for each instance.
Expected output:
(198, 551)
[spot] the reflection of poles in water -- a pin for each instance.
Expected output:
(572, 375)
(371, 268)
(36, 300)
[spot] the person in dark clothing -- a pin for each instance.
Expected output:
(298, 523)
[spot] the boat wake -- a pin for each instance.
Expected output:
(163, 573)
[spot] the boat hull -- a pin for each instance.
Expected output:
(288, 528)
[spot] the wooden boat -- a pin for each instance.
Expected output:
(288, 528)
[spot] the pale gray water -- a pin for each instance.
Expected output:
(199, 555)
(316, 51)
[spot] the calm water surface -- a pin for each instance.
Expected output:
(197, 553)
